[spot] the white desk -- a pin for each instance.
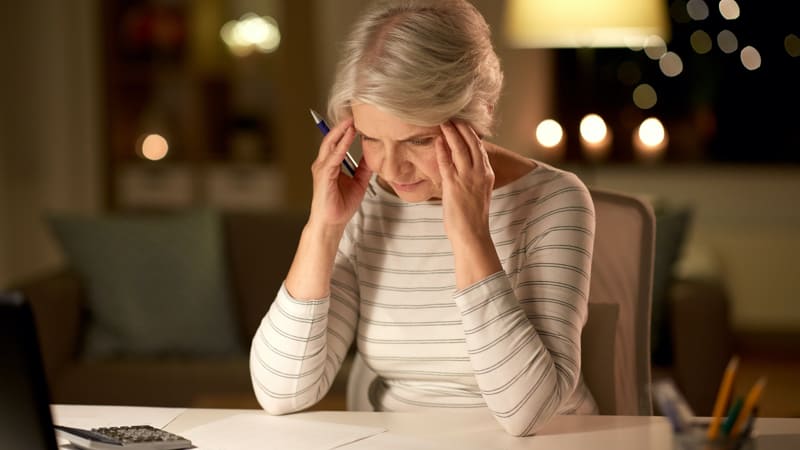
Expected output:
(456, 429)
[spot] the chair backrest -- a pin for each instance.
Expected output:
(615, 350)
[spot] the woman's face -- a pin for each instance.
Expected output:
(403, 155)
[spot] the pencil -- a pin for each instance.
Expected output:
(722, 397)
(750, 402)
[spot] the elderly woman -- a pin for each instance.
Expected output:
(464, 279)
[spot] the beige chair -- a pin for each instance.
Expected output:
(616, 338)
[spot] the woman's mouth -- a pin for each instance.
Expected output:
(405, 187)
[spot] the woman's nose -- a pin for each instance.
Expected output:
(394, 164)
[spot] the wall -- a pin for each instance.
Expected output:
(49, 151)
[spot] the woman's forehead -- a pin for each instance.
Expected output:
(374, 122)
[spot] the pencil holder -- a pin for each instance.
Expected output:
(696, 439)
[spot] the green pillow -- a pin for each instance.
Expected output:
(156, 284)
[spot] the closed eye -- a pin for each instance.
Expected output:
(422, 142)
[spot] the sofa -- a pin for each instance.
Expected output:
(255, 250)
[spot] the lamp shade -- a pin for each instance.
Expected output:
(584, 23)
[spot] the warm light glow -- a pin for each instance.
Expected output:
(697, 9)
(549, 133)
(701, 42)
(751, 58)
(584, 23)
(595, 137)
(729, 9)
(251, 33)
(154, 147)
(644, 96)
(792, 45)
(655, 47)
(651, 132)
(650, 140)
(671, 64)
(593, 128)
(727, 42)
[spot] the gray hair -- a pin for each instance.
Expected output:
(424, 61)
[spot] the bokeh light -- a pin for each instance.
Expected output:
(549, 133)
(727, 42)
(644, 96)
(154, 147)
(750, 57)
(701, 42)
(251, 33)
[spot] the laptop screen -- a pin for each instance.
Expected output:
(25, 419)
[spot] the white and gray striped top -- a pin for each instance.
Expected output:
(509, 343)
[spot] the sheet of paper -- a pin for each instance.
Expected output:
(248, 431)
(392, 441)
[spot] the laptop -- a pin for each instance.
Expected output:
(25, 418)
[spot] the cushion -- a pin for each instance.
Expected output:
(672, 224)
(156, 283)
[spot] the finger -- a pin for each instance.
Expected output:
(458, 148)
(473, 142)
(444, 159)
(330, 156)
(337, 153)
(363, 173)
(336, 134)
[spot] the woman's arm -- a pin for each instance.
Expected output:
(305, 335)
(336, 198)
(524, 340)
(300, 345)
(467, 183)
(526, 359)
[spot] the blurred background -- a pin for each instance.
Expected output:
(127, 105)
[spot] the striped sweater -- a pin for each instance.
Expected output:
(509, 343)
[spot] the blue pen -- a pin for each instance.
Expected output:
(349, 162)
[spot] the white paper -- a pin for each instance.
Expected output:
(253, 431)
(392, 441)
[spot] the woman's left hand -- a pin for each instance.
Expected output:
(467, 181)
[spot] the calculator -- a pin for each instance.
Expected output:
(138, 437)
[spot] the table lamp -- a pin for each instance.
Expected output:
(584, 23)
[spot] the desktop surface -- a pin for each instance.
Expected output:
(446, 430)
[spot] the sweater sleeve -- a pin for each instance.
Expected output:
(300, 344)
(524, 339)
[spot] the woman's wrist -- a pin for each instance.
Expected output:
(323, 233)
(310, 273)
(475, 259)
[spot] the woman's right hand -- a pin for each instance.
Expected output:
(336, 195)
